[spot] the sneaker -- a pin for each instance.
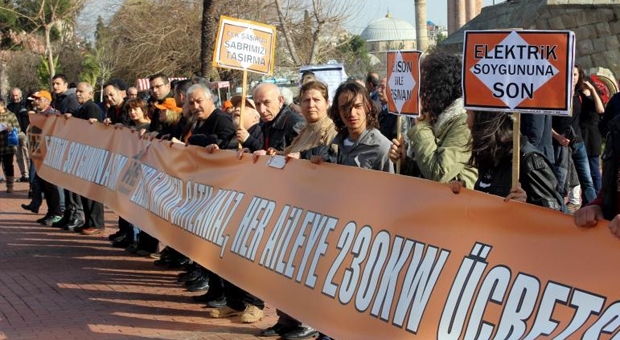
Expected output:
(42, 219)
(51, 220)
(224, 312)
(251, 314)
(23, 179)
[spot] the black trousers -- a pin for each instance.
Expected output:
(73, 205)
(237, 298)
(52, 197)
(7, 165)
(93, 213)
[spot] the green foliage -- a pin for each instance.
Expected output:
(8, 19)
(45, 71)
(354, 55)
(91, 71)
(441, 37)
(23, 15)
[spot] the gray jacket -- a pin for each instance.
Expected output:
(370, 151)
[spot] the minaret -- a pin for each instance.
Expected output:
(461, 12)
(451, 16)
(420, 22)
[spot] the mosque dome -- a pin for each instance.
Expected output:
(388, 29)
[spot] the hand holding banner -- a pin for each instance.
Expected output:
(437, 265)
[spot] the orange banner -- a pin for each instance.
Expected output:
(358, 254)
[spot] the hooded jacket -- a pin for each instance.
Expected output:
(440, 150)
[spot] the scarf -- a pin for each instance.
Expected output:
(312, 135)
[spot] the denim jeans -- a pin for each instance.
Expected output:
(595, 171)
(580, 159)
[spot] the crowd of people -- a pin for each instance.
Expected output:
(559, 156)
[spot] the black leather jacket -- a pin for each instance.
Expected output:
(280, 132)
(536, 177)
(611, 158)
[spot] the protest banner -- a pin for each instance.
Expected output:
(331, 74)
(403, 80)
(518, 71)
(329, 245)
(245, 45)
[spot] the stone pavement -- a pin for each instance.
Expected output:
(55, 284)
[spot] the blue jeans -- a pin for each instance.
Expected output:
(595, 171)
(582, 165)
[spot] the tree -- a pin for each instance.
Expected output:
(440, 37)
(20, 70)
(207, 37)
(354, 55)
(152, 36)
(49, 16)
(312, 30)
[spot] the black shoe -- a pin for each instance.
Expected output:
(164, 261)
(217, 303)
(276, 330)
(133, 248)
(24, 179)
(73, 223)
(203, 276)
(124, 243)
(42, 219)
(301, 333)
(189, 276)
(119, 234)
(29, 207)
(199, 286)
(201, 298)
(178, 263)
(79, 229)
(208, 296)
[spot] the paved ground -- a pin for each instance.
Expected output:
(60, 285)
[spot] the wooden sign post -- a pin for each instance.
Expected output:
(403, 86)
(518, 71)
(245, 45)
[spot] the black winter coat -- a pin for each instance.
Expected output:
(280, 132)
(536, 177)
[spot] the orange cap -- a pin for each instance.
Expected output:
(169, 104)
(42, 94)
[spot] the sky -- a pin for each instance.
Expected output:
(369, 10)
(401, 9)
